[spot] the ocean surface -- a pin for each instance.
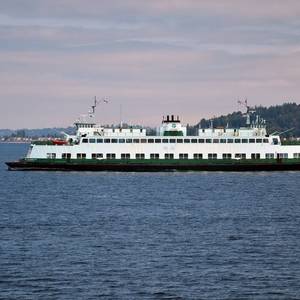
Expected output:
(148, 235)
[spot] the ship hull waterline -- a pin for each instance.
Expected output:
(155, 166)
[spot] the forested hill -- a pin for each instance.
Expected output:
(279, 118)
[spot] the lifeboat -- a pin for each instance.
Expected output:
(59, 142)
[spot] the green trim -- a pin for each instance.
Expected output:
(166, 161)
(173, 133)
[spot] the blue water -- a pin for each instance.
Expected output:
(148, 235)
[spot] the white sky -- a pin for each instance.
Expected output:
(190, 58)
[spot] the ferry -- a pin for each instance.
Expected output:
(98, 148)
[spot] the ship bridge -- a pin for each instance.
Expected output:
(171, 127)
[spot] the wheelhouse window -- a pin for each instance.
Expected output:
(110, 155)
(183, 156)
(125, 155)
(198, 156)
(97, 155)
(169, 156)
(154, 156)
(140, 156)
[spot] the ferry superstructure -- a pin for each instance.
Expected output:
(98, 148)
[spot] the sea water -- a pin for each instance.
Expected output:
(84, 235)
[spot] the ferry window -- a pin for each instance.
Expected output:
(172, 141)
(151, 141)
(51, 155)
(208, 141)
(143, 141)
(244, 141)
(201, 141)
(179, 141)
(140, 156)
(255, 156)
(230, 141)
(128, 141)
(212, 155)
(66, 155)
(258, 140)
(283, 155)
(215, 141)
(194, 141)
(121, 141)
(270, 155)
(187, 140)
(99, 141)
(275, 141)
(237, 141)
(136, 141)
(92, 141)
(97, 155)
(106, 140)
(81, 155)
(125, 155)
(110, 155)
(296, 155)
(223, 141)
(226, 155)
(154, 156)
(266, 140)
(198, 155)
(85, 141)
(251, 141)
(169, 156)
(157, 141)
(183, 156)
(240, 155)
(114, 141)
(165, 141)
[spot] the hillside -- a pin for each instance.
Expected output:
(279, 118)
